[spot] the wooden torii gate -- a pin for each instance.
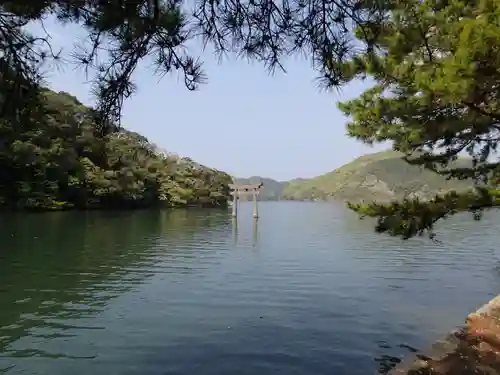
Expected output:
(245, 189)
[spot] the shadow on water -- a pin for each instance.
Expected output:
(58, 268)
(391, 356)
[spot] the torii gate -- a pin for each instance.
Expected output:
(239, 189)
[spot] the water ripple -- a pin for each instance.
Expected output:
(308, 288)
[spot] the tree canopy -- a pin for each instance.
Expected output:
(63, 163)
(436, 68)
(121, 33)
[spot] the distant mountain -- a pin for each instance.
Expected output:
(271, 191)
(382, 176)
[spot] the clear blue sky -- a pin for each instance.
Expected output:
(243, 121)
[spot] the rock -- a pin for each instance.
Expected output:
(471, 350)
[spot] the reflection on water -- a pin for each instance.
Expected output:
(306, 288)
(62, 268)
(255, 231)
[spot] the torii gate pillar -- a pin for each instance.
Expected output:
(255, 206)
(235, 204)
(245, 189)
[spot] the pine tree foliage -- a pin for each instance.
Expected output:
(436, 97)
(121, 33)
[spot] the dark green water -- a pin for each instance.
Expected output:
(310, 289)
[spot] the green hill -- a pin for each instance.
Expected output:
(381, 176)
(64, 161)
(271, 191)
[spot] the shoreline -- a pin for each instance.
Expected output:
(471, 349)
(110, 209)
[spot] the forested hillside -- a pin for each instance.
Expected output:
(381, 176)
(61, 161)
(271, 191)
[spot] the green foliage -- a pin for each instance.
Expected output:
(122, 33)
(436, 96)
(412, 216)
(381, 176)
(63, 163)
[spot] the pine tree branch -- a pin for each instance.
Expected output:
(412, 217)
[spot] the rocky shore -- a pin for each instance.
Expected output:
(473, 349)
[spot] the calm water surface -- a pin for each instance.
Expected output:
(308, 290)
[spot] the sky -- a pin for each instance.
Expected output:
(244, 121)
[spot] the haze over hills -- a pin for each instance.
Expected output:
(381, 176)
(271, 191)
